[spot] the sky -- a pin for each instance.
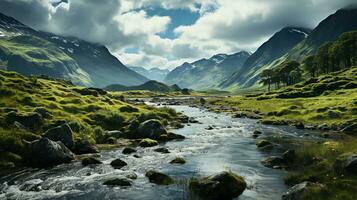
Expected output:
(167, 33)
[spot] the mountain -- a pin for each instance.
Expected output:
(265, 55)
(152, 85)
(328, 30)
(32, 52)
(343, 20)
(152, 74)
(206, 73)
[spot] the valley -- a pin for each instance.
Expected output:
(169, 120)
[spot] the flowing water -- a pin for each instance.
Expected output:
(229, 146)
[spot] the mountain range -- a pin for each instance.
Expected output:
(242, 70)
(151, 85)
(152, 73)
(206, 73)
(32, 52)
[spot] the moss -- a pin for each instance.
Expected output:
(148, 143)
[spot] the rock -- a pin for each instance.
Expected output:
(351, 129)
(210, 128)
(47, 153)
(118, 182)
(346, 163)
(32, 121)
(162, 150)
(263, 143)
(333, 114)
(301, 191)
(128, 150)
(116, 134)
(256, 132)
(148, 143)
(225, 185)
(202, 101)
(323, 126)
(152, 129)
(171, 136)
(178, 160)
(159, 178)
(118, 164)
(43, 112)
(90, 161)
(84, 147)
(131, 176)
(136, 156)
(193, 120)
(273, 162)
(61, 133)
(299, 125)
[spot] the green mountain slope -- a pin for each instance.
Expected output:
(82, 62)
(265, 56)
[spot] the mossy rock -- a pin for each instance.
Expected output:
(148, 143)
(90, 161)
(224, 185)
(159, 178)
(263, 143)
(178, 160)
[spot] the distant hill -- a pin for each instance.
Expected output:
(152, 85)
(266, 54)
(32, 52)
(206, 73)
(152, 74)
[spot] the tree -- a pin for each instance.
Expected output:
(266, 77)
(310, 65)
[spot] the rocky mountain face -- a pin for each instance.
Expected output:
(266, 54)
(152, 74)
(32, 52)
(206, 73)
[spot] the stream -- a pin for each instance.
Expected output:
(229, 146)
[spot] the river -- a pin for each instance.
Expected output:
(229, 146)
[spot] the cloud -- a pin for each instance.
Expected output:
(224, 26)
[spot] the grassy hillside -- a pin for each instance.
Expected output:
(330, 99)
(89, 112)
(30, 55)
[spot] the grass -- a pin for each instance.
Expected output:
(89, 116)
(333, 104)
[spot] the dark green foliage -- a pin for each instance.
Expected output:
(128, 109)
(109, 121)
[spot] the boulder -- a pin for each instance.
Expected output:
(32, 121)
(301, 191)
(118, 182)
(159, 178)
(128, 150)
(152, 129)
(162, 150)
(299, 125)
(90, 160)
(178, 160)
(116, 134)
(47, 153)
(148, 143)
(224, 185)
(256, 132)
(84, 147)
(171, 136)
(61, 133)
(346, 163)
(118, 163)
(43, 112)
(131, 175)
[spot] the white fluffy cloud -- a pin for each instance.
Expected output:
(224, 26)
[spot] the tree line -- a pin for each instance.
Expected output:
(330, 57)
